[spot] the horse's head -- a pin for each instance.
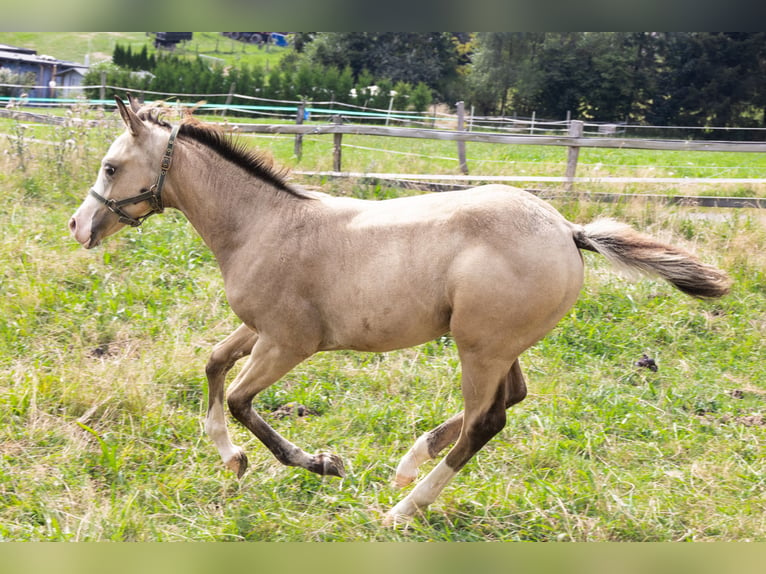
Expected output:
(129, 184)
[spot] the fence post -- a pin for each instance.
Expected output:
(336, 142)
(575, 131)
(298, 149)
(390, 107)
(228, 99)
(460, 143)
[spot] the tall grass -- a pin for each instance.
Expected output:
(102, 392)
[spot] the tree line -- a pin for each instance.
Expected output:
(292, 79)
(656, 78)
(653, 78)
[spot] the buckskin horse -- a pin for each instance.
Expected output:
(305, 272)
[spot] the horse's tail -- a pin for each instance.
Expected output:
(626, 248)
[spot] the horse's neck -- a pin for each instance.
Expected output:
(223, 203)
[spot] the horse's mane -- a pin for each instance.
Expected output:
(257, 163)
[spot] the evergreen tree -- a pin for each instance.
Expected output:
(401, 99)
(421, 97)
(258, 80)
(345, 85)
(363, 83)
(274, 87)
(118, 55)
(328, 80)
(304, 82)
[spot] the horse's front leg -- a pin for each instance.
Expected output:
(237, 345)
(266, 365)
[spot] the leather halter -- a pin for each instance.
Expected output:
(153, 195)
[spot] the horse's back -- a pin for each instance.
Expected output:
(415, 267)
(485, 203)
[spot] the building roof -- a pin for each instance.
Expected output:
(8, 48)
(12, 54)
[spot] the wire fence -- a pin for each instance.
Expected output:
(283, 115)
(437, 117)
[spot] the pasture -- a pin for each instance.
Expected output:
(103, 392)
(99, 46)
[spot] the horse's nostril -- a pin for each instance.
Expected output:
(73, 225)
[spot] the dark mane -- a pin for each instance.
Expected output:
(258, 164)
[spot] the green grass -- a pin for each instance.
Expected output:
(371, 154)
(73, 46)
(232, 52)
(103, 393)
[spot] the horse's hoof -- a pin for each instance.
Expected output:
(401, 480)
(402, 513)
(329, 464)
(238, 464)
(392, 519)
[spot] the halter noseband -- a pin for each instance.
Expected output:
(153, 195)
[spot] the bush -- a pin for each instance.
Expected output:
(7, 76)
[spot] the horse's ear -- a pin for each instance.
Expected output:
(134, 125)
(135, 105)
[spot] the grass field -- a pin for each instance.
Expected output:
(102, 387)
(73, 46)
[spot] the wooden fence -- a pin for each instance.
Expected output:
(573, 141)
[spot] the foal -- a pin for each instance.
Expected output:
(307, 272)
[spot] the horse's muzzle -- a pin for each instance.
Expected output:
(85, 234)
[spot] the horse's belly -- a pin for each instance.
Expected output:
(386, 323)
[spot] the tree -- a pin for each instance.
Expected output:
(497, 62)
(431, 58)
(403, 91)
(712, 79)
(274, 86)
(304, 81)
(421, 97)
(345, 85)
(363, 83)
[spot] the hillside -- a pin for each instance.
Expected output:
(76, 46)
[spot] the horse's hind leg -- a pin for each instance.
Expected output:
(266, 365)
(225, 354)
(485, 386)
(426, 447)
(431, 443)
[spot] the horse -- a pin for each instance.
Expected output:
(494, 266)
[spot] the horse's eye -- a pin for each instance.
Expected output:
(109, 170)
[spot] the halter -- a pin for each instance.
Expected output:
(153, 195)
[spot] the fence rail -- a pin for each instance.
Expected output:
(256, 106)
(573, 141)
(481, 137)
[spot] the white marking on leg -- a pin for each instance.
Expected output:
(215, 427)
(424, 493)
(407, 471)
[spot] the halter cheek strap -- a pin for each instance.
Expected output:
(153, 195)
